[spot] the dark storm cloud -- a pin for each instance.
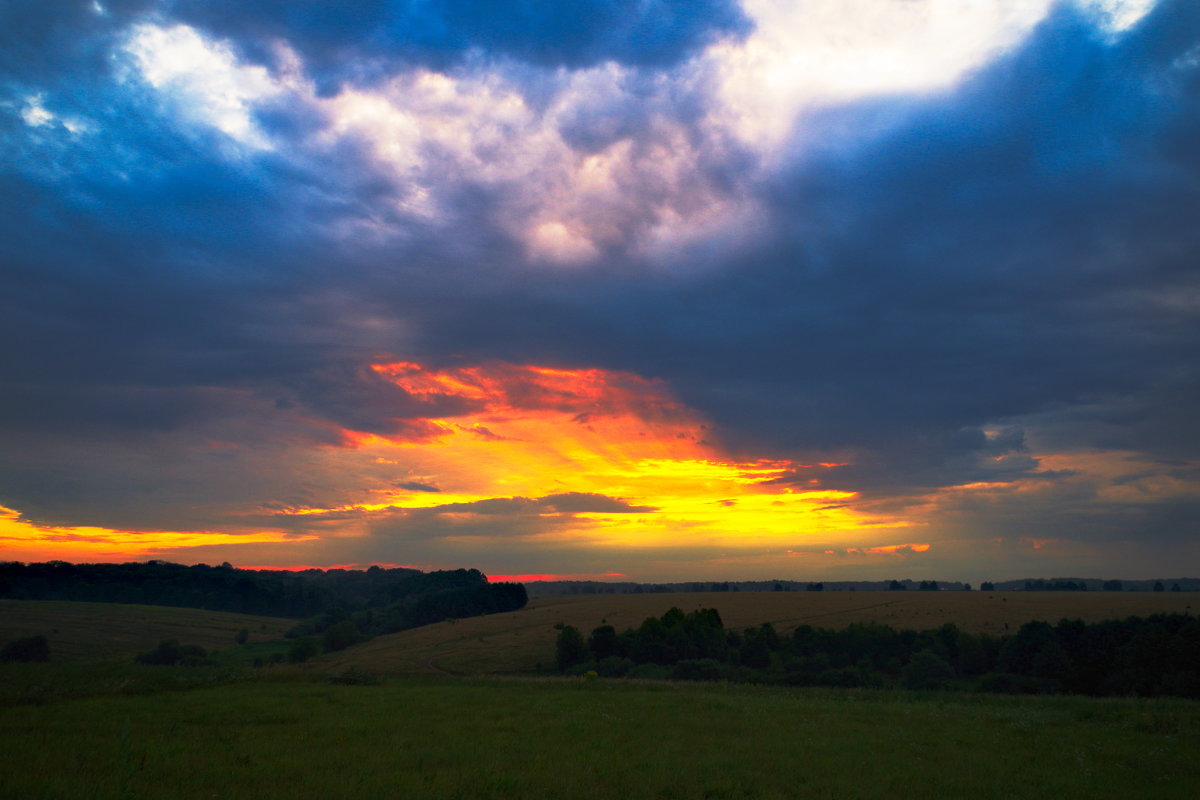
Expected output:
(363, 42)
(1022, 244)
(1016, 254)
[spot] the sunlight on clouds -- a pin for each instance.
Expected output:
(1127, 477)
(564, 204)
(556, 242)
(204, 78)
(635, 461)
(820, 52)
(1066, 484)
(812, 53)
(1119, 15)
(603, 160)
(21, 538)
(35, 114)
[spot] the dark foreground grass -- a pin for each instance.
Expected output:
(426, 738)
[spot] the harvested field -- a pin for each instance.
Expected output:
(519, 641)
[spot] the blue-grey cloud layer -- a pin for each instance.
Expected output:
(1019, 253)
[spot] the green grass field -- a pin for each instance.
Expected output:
(526, 738)
(93, 724)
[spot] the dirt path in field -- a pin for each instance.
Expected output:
(436, 670)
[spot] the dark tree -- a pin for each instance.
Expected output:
(987, 586)
(570, 648)
(755, 653)
(604, 643)
(1158, 586)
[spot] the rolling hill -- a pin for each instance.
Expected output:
(519, 641)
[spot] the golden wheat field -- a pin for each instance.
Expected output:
(520, 641)
(114, 631)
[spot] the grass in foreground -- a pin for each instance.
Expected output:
(430, 738)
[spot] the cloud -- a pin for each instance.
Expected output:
(567, 503)
(414, 486)
(362, 42)
(964, 282)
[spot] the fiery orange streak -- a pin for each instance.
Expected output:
(534, 431)
(22, 539)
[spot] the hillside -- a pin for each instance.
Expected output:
(519, 641)
(114, 632)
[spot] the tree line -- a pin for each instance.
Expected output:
(1144, 656)
(336, 607)
(402, 597)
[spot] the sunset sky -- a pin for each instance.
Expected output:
(646, 290)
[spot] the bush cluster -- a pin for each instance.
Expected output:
(28, 649)
(1157, 655)
(171, 653)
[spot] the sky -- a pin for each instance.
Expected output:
(650, 290)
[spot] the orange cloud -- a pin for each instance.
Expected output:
(527, 433)
(21, 539)
(585, 458)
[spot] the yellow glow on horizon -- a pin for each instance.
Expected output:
(587, 458)
(23, 539)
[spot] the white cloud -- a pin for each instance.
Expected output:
(639, 183)
(807, 53)
(204, 78)
(35, 114)
(1119, 15)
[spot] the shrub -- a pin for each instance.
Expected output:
(340, 636)
(926, 670)
(170, 653)
(698, 669)
(29, 649)
(1008, 683)
(352, 677)
(614, 667)
(850, 677)
(303, 649)
(650, 672)
(582, 669)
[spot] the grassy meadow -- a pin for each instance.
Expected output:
(93, 724)
(518, 642)
(527, 738)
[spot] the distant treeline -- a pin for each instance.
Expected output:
(1156, 655)
(556, 588)
(377, 600)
